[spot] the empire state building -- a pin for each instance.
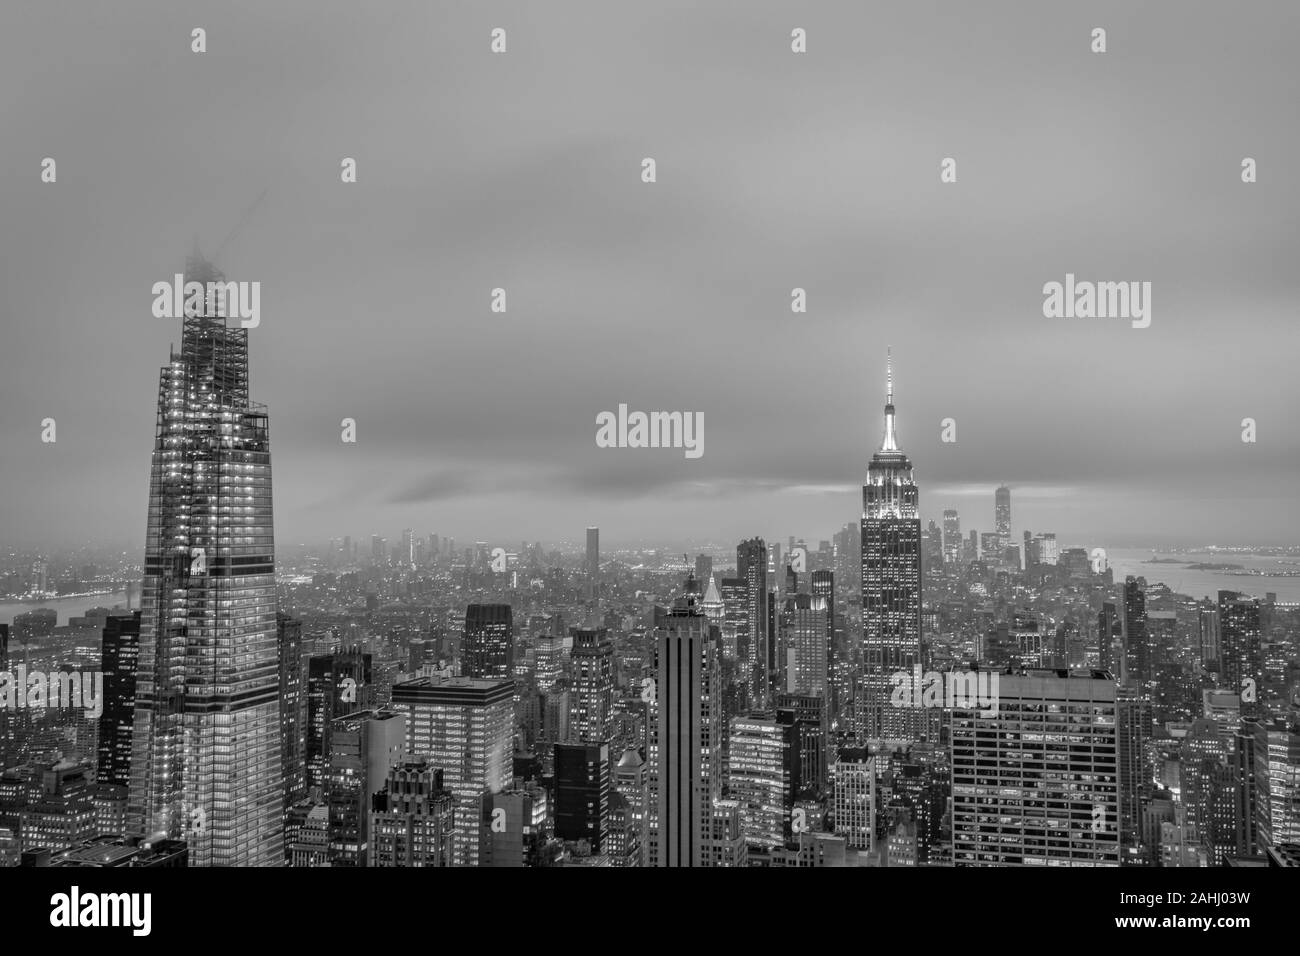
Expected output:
(891, 584)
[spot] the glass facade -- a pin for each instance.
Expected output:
(205, 761)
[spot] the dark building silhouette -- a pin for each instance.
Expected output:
(119, 657)
(488, 650)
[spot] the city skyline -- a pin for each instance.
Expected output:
(481, 619)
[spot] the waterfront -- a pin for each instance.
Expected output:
(1202, 583)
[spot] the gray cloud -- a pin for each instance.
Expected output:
(775, 171)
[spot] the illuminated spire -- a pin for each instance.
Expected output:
(890, 442)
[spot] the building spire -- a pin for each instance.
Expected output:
(889, 374)
(890, 442)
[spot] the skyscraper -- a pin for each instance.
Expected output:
(582, 785)
(591, 718)
(593, 553)
(805, 639)
(759, 777)
(363, 748)
(293, 709)
(205, 755)
(891, 583)
(488, 652)
(463, 727)
(1137, 645)
(1241, 651)
(751, 567)
(337, 684)
(119, 658)
(685, 736)
(952, 542)
(1051, 804)
(1002, 513)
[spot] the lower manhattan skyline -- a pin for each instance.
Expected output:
(672, 436)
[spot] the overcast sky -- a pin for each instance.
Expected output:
(775, 170)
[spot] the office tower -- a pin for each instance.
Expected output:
(853, 798)
(1208, 627)
(951, 537)
(1133, 729)
(1019, 797)
(1002, 513)
(1206, 787)
(465, 727)
(293, 708)
(549, 656)
(685, 736)
(363, 748)
(408, 548)
(337, 684)
(703, 567)
(932, 545)
(714, 607)
(488, 651)
(592, 695)
(412, 820)
(891, 583)
(205, 754)
(735, 625)
(582, 784)
(593, 553)
(1242, 654)
(808, 715)
(760, 761)
(822, 585)
(751, 567)
(1110, 640)
(972, 550)
(1276, 762)
(1049, 551)
(1031, 550)
(805, 637)
(1137, 645)
(119, 658)
(630, 783)
(623, 846)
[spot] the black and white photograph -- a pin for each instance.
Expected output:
(680, 433)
